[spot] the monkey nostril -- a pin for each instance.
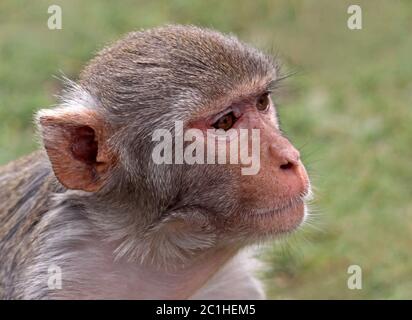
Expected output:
(287, 166)
(288, 158)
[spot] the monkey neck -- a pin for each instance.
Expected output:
(98, 275)
(184, 282)
(103, 277)
(92, 267)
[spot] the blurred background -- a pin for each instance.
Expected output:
(348, 106)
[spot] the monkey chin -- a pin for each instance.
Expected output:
(277, 221)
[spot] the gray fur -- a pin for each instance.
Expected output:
(145, 81)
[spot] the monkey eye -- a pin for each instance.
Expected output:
(225, 122)
(263, 102)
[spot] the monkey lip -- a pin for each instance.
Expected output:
(279, 209)
(281, 219)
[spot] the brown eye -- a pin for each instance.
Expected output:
(225, 122)
(263, 102)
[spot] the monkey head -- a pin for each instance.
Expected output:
(100, 144)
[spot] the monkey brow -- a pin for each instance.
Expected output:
(268, 87)
(276, 82)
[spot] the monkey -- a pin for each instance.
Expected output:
(92, 205)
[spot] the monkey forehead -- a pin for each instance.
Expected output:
(166, 61)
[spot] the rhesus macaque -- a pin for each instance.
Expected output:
(95, 207)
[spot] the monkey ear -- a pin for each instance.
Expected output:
(76, 144)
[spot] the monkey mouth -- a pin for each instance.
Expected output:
(284, 208)
(280, 219)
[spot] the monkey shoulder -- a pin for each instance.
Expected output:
(25, 188)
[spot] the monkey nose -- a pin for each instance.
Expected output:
(287, 157)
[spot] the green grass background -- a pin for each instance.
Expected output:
(348, 107)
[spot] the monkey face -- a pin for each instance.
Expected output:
(269, 200)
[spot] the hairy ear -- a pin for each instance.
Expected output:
(75, 140)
